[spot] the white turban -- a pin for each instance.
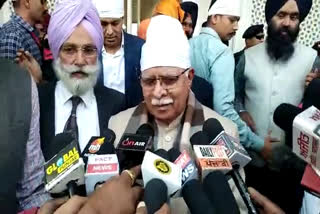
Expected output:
(166, 45)
(225, 7)
(109, 8)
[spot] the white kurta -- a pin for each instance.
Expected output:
(269, 83)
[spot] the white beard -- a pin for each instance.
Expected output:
(77, 87)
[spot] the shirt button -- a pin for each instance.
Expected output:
(274, 93)
(168, 138)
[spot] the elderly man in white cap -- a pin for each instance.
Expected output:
(169, 104)
(120, 54)
(214, 61)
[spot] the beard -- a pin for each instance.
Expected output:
(280, 42)
(77, 86)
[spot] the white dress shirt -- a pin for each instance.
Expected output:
(114, 69)
(87, 114)
(310, 204)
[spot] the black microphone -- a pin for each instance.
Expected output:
(219, 193)
(99, 145)
(65, 170)
(283, 117)
(213, 126)
(196, 199)
(155, 195)
(132, 147)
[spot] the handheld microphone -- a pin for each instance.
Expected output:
(100, 168)
(65, 170)
(209, 157)
(219, 193)
(99, 145)
(155, 195)
(132, 147)
(240, 159)
(154, 166)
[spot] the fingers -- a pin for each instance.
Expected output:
(52, 205)
(257, 197)
(128, 177)
(72, 206)
(136, 193)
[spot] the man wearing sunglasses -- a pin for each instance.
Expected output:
(253, 35)
(20, 32)
(169, 104)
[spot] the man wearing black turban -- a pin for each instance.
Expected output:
(190, 17)
(268, 74)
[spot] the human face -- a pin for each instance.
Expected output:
(77, 66)
(187, 26)
(166, 100)
(112, 29)
(225, 26)
(38, 10)
(286, 19)
(257, 39)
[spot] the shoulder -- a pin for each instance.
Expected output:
(110, 97)
(229, 126)
(129, 38)
(302, 49)
(119, 122)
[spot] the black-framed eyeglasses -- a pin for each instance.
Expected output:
(166, 82)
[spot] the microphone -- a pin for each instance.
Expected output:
(99, 145)
(155, 195)
(65, 170)
(219, 193)
(132, 147)
(217, 136)
(154, 166)
(100, 168)
(195, 198)
(209, 157)
(239, 158)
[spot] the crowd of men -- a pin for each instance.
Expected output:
(103, 78)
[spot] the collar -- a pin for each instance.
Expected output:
(24, 24)
(65, 94)
(210, 31)
(104, 51)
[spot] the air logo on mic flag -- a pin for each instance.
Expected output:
(96, 145)
(162, 167)
(212, 157)
(133, 142)
(306, 138)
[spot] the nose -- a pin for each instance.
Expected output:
(235, 26)
(109, 29)
(286, 21)
(80, 60)
(158, 90)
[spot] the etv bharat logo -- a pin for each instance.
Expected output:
(162, 166)
(95, 145)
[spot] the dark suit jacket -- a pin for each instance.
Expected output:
(132, 54)
(109, 102)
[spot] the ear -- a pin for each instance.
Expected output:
(215, 19)
(190, 76)
(26, 3)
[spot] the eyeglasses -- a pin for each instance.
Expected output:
(259, 36)
(166, 82)
(87, 50)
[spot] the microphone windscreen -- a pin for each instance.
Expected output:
(173, 153)
(59, 142)
(212, 127)
(199, 138)
(162, 153)
(196, 199)
(284, 115)
(155, 195)
(219, 193)
(145, 129)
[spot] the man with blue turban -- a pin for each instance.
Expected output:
(74, 104)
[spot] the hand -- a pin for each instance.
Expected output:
(52, 205)
(265, 206)
(246, 117)
(116, 195)
(27, 61)
(266, 151)
(312, 75)
(72, 206)
(165, 209)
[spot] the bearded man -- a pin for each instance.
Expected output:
(74, 104)
(268, 74)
